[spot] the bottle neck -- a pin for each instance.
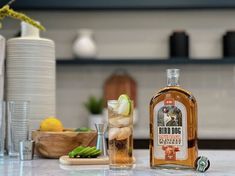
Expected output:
(173, 81)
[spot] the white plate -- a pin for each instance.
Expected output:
(25, 84)
(31, 87)
(32, 97)
(31, 45)
(42, 72)
(31, 83)
(31, 66)
(27, 70)
(35, 63)
(20, 44)
(34, 55)
(31, 93)
(28, 65)
(40, 52)
(29, 74)
(30, 51)
(39, 80)
(13, 69)
(25, 57)
(45, 73)
(24, 40)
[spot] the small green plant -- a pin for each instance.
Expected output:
(6, 11)
(94, 105)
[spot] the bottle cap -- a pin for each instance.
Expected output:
(173, 72)
(173, 77)
(202, 164)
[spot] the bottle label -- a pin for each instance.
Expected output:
(170, 130)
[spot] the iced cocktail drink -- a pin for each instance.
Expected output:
(120, 118)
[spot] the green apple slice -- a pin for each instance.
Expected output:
(124, 105)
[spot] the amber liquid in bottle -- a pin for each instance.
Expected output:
(173, 126)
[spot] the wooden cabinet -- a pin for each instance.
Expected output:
(120, 83)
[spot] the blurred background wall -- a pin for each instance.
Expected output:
(143, 34)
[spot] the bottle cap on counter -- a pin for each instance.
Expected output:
(202, 164)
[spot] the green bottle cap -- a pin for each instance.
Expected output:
(202, 164)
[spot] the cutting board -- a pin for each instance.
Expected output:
(83, 161)
(120, 82)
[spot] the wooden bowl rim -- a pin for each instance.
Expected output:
(65, 131)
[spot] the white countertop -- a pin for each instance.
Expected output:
(222, 164)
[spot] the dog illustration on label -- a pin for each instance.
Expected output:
(169, 116)
(170, 152)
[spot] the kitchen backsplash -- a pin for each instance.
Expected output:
(213, 86)
(122, 34)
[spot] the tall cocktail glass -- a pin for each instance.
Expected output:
(120, 140)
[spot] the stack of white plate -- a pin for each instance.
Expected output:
(31, 75)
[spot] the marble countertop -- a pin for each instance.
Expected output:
(222, 163)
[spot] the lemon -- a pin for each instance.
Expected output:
(124, 105)
(51, 124)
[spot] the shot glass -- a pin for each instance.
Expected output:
(26, 150)
(18, 125)
(2, 128)
(120, 137)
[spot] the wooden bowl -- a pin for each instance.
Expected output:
(56, 144)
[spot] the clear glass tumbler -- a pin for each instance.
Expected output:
(120, 137)
(2, 128)
(18, 125)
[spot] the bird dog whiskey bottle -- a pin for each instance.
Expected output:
(173, 126)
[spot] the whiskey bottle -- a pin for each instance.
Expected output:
(173, 126)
